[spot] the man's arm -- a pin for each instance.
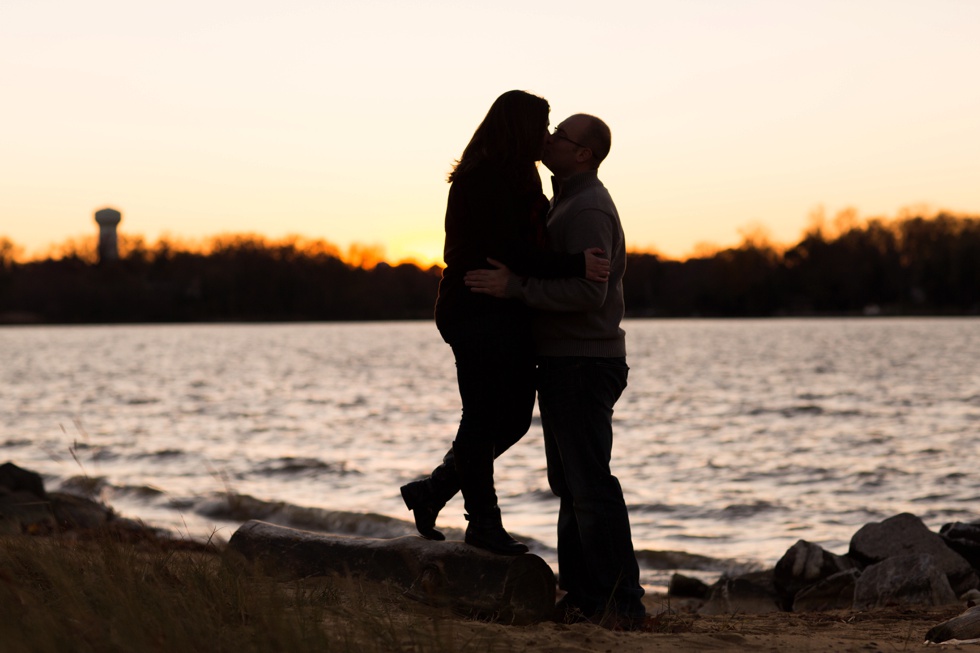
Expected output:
(567, 294)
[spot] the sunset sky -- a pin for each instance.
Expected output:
(340, 120)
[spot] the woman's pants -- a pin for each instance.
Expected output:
(495, 371)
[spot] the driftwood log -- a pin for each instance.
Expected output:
(517, 589)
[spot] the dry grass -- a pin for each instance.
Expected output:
(110, 594)
(62, 594)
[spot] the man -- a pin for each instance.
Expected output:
(581, 374)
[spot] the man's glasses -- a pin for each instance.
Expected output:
(559, 133)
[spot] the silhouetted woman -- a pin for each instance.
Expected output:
(496, 209)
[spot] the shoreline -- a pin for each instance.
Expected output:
(368, 616)
(122, 561)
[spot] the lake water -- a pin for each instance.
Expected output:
(733, 440)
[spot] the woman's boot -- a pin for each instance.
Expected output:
(420, 499)
(474, 470)
(426, 497)
(486, 531)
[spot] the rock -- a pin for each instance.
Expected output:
(17, 479)
(964, 539)
(24, 512)
(71, 511)
(963, 627)
(903, 580)
(905, 534)
(971, 598)
(89, 487)
(26, 508)
(36, 512)
(677, 560)
(805, 564)
(687, 587)
(752, 593)
(518, 589)
(835, 592)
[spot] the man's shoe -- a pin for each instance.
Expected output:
(425, 509)
(569, 612)
(486, 531)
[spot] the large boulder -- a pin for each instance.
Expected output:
(904, 535)
(24, 505)
(964, 538)
(687, 587)
(903, 580)
(835, 592)
(23, 512)
(517, 589)
(74, 512)
(18, 479)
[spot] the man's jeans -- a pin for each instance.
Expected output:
(596, 562)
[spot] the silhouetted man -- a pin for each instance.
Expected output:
(582, 372)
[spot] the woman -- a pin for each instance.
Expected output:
(496, 209)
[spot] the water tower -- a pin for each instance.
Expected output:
(108, 220)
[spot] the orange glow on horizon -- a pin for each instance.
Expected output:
(368, 256)
(424, 249)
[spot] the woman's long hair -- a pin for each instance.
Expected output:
(510, 135)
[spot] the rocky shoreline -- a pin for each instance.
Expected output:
(898, 561)
(27, 508)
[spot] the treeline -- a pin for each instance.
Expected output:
(238, 278)
(912, 266)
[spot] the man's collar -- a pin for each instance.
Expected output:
(573, 183)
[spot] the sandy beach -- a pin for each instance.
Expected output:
(682, 630)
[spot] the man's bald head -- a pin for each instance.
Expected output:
(595, 135)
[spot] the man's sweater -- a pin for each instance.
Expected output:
(574, 316)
